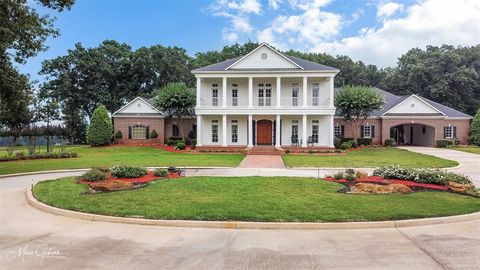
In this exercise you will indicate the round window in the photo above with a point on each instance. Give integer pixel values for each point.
(264, 56)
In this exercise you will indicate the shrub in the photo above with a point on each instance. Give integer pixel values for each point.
(20, 155)
(118, 135)
(194, 143)
(160, 172)
(128, 172)
(178, 141)
(447, 143)
(361, 174)
(180, 146)
(337, 142)
(153, 134)
(170, 142)
(424, 176)
(100, 130)
(350, 171)
(364, 141)
(287, 151)
(353, 143)
(38, 155)
(338, 175)
(475, 129)
(346, 139)
(350, 177)
(175, 138)
(93, 175)
(390, 142)
(345, 146)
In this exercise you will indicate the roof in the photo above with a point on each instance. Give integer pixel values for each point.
(149, 102)
(392, 100)
(303, 65)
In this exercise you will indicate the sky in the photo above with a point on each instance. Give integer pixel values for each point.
(374, 31)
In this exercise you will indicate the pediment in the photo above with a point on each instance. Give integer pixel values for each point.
(264, 57)
(413, 105)
(138, 106)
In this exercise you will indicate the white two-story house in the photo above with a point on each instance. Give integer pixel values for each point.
(265, 98)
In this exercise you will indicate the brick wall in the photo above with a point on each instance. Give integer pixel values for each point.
(122, 124)
(169, 127)
(382, 127)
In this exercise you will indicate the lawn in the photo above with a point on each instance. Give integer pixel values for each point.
(122, 155)
(252, 199)
(369, 157)
(468, 149)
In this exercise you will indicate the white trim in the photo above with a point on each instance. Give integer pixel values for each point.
(143, 100)
(418, 97)
(260, 46)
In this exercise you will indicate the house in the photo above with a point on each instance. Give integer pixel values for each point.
(274, 100)
(139, 117)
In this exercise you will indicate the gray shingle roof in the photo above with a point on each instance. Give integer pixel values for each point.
(391, 100)
(305, 64)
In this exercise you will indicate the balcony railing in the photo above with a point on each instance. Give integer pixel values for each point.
(290, 102)
(237, 102)
(211, 102)
(318, 102)
(264, 102)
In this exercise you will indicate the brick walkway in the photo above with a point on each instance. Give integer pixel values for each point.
(262, 161)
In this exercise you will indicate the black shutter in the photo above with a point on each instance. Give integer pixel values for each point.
(147, 132)
(373, 132)
(274, 132)
(254, 132)
(444, 132)
(342, 130)
(129, 132)
(454, 132)
(361, 131)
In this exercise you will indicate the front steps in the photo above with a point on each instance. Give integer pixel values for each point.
(263, 150)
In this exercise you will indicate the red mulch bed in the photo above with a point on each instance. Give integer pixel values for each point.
(381, 180)
(149, 177)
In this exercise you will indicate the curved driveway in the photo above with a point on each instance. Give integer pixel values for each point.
(31, 238)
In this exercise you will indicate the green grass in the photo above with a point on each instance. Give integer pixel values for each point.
(121, 155)
(369, 157)
(252, 199)
(468, 149)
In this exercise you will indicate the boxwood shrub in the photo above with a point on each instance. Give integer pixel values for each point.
(160, 172)
(128, 172)
(390, 142)
(93, 175)
(447, 143)
(424, 176)
(364, 141)
(345, 146)
(180, 146)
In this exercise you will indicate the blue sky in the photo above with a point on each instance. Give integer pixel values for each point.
(374, 31)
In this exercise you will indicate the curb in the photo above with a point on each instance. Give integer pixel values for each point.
(248, 225)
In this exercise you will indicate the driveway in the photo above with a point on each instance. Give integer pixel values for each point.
(469, 163)
(31, 238)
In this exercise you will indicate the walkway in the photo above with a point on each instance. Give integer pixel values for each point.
(262, 161)
(469, 163)
(100, 245)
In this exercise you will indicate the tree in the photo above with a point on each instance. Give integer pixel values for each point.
(177, 101)
(475, 129)
(356, 103)
(100, 130)
(47, 110)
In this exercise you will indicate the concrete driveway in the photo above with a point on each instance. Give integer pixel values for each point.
(30, 239)
(469, 163)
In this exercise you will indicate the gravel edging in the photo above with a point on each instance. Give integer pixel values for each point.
(249, 225)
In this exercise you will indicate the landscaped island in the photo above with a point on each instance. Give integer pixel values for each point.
(252, 199)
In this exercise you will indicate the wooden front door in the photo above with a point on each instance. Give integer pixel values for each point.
(264, 132)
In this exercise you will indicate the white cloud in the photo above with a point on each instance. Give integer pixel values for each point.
(231, 37)
(242, 6)
(274, 4)
(431, 22)
(386, 10)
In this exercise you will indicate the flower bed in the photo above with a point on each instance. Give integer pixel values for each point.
(424, 176)
(381, 180)
(22, 156)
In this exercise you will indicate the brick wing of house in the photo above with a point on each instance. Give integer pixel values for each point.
(270, 99)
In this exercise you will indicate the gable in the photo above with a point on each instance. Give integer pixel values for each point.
(413, 105)
(264, 57)
(138, 106)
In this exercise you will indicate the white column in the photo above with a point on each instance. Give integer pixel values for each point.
(224, 130)
(250, 92)
(250, 130)
(304, 130)
(199, 91)
(279, 85)
(304, 95)
(332, 92)
(278, 143)
(199, 130)
(330, 142)
(224, 92)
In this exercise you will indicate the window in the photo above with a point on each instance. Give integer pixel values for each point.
(264, 94)
(315, 94)
(214, 94)
(315, 131)
(214, 131)
(139, 132)
(261, 94)
(175, 131)
(367, 131)
(294, 131)
(234, 94)
(295, 90)
(338, 130)
(234, 131)
(448, 132)
(268, 94)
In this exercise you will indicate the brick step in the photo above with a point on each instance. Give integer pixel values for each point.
(263, 150)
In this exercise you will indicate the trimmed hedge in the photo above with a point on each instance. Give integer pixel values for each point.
(160, 172)
(93, 175)
(447, 143)
(353, 143)
(364, 141)
(128, 172)
(345, 146)
(118, 135)
(337, 142)
(424, 176)
(46, 155)
(390, 142)
(180, 146)
(153, 134)
(100, 130)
